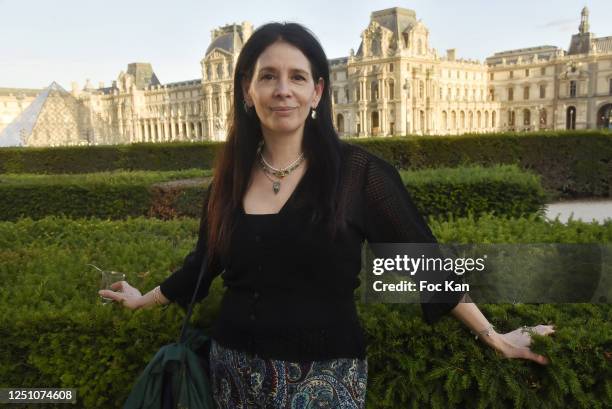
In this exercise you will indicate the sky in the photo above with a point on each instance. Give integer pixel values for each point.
(67, 40)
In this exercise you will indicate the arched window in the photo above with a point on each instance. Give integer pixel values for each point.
(340, 123)
(511, 118)
(570, 118)
(486, 115)
(470, 119)
(453, 120)
(543, 118)
(462, 116)
(479, 119)
(375, 123)
(422, 120)
(526, 117)
(493, 119)
(444, 120)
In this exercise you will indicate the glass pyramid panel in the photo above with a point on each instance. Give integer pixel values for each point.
(17, 132)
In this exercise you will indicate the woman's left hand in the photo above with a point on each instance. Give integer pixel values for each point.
(515, 344)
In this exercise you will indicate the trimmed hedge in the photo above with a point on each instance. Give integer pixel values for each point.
(89, 159)
(56, 334)
(114, 195)
(571, 163)
(503, 190)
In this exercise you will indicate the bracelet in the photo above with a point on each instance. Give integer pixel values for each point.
(488, 331)
(157, 295)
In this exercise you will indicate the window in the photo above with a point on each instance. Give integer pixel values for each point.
(511, 118)
(340, 123)
(526, 72)
(491, 94)
(491, 76)
(510, 94)
(335, 97)
(526, 117)
(572, 89)
(374, 90)
(335, 76)
(347, 95)
(543, 119)
(542, 91)
(526, 93)
(391, 67)
(610, 91)
(511, 74)
(391, 90)
(543, 71)
(421, 89)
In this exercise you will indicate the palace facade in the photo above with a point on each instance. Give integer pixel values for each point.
(395, 84)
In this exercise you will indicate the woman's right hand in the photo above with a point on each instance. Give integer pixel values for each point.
(124, 294)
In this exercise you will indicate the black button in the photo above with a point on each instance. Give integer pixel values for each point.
(256, 295)
(252, 317)
(258, 239)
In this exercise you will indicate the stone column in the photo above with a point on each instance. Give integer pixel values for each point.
(146, 130)
(210, 117)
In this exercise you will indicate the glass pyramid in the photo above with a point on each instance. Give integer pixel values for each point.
(19, 131)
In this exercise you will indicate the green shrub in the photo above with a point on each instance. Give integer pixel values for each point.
(56, 334)
(113, 195)
(89, 159)
(571, 163)
(503, 190)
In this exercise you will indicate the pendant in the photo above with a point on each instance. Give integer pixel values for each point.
(276, 187)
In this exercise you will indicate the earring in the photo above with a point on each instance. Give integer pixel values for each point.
(245, 105)
(313, 114)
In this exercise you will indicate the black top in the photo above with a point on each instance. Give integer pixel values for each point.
(289, 287)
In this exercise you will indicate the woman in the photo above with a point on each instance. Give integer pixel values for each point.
(284, 221)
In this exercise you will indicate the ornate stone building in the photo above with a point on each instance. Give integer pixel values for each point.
(395, 84)
(548, 88)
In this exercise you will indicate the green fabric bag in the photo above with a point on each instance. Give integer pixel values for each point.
(176, 376)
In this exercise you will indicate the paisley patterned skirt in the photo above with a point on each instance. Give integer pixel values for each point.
(241, 381)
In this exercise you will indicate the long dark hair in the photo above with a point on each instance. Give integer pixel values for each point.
(321, 144)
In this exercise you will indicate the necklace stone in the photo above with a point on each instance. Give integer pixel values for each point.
(270, 171)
